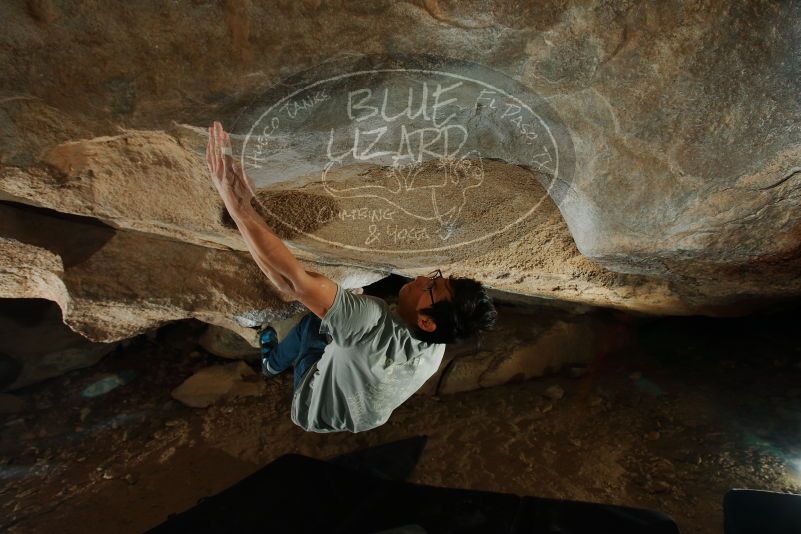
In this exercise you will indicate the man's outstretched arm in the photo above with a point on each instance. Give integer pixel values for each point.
(272, 256)
(314, 290)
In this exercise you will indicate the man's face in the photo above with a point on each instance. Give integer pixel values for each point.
(414, 296)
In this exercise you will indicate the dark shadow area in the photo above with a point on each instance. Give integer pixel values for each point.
(35, 344)
(387, 288)
(73, 237)
(278, 499)
(761, 512)
(764, 335)
(390, 461)
(28, 312)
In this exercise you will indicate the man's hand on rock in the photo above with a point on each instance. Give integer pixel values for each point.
(227, 175)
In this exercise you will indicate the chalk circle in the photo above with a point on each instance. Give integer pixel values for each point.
(421, 154)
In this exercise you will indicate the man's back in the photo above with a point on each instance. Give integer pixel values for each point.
(370, 368)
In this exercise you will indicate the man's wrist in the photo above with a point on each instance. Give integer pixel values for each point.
(243, 213)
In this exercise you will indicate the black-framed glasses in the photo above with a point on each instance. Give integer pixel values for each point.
(432, 276)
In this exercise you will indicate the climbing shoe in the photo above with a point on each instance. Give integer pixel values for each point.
(268, 340)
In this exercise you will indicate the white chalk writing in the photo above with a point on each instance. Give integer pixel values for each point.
(326, 214)
(516, 115)
(293, 107)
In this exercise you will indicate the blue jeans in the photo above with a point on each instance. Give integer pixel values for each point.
(300, 348)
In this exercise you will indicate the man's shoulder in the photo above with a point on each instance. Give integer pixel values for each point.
(353, 317)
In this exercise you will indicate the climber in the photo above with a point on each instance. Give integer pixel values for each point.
(355, 360)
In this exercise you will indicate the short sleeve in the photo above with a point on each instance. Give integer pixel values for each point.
(352, 318)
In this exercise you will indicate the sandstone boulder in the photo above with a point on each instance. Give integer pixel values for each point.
(225, 343)
(677, 126)
(212, 384)
(682, 118)
(527, 344)
(113, 285)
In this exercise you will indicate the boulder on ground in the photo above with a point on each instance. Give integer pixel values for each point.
(224, 343)
(219, 382)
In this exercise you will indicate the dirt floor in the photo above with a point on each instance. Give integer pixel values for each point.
(692, 408)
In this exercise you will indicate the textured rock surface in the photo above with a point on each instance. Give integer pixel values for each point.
(683, 121)
(227, 344)
(218, 382)
(525, 345)
(112, 285)
(683, 115)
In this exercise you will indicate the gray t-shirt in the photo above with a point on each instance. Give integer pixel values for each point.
(370, 368)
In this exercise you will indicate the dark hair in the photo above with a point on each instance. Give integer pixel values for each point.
(469, 311)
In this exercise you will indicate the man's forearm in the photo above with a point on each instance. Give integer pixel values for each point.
(267, 249)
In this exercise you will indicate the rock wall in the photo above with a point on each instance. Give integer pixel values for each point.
(683, 119)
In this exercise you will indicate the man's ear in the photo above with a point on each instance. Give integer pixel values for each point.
(426, 323)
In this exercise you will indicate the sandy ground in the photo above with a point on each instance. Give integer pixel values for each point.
(693, 408)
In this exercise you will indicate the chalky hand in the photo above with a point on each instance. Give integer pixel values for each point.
(227, 175)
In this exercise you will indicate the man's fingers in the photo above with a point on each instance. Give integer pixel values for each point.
(208, 152)
(223, 159)
(224, 148)
(227, 148)
(212, 150)
(222, 165)
(218, 144)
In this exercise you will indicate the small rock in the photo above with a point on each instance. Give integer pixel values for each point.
(636, 375)
(84, 413)
(546, 408)
(108, 475)
(227, 344)
(652, 436)
(212, 384)
(555, 392)
(108, 383)
(130, 479)
(596, 400)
